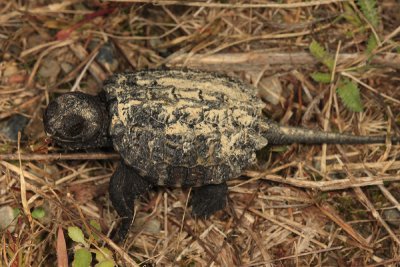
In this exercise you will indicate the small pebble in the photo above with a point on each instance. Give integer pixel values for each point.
(34, 40)
(392, 217)
(49, 69)
(14, 50)
(270, 89)
(7, 219)
(142, 222)
(9, 128)
(106, 57)
(10, 69)
(66, 67)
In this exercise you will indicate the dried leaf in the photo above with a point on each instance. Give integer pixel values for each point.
(62, 256)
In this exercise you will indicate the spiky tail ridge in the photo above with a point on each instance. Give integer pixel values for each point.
(285, 135)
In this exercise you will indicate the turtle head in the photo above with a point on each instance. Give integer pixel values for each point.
(77, 120)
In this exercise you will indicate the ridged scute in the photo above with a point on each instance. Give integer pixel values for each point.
(184, 127)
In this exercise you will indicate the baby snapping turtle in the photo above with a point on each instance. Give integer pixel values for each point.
(177, 128)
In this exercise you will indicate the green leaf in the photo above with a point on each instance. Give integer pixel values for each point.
(351, 16)
(82, 258)
(96, 226)
(397, 119)
(321, 77)
(279, 149)
(370, 11)
(107, 263)
(321, 54)
(103, 254)
(76, 234)
(16, 212)
(350, 95)
(371, 44)
(38, 213)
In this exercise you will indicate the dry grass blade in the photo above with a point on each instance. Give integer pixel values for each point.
(327, 185)
(387, 165)
(330, 212)
(61, 156)
(23, 185)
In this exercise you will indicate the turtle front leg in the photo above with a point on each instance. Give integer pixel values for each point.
(126, 185)
(208, 199)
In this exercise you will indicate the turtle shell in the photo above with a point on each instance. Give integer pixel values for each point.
(184, 127)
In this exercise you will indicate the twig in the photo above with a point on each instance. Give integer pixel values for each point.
(232, 5)
(65, 33)
(94, 68)
(78, 69)
(124, 255)
(196, 238)
(82, 73)
(327, 185)
(255, 60)
(41, 56)
(23, 106)
(385, 262)
(52, 8)
(60, 156)
(328, 211)
(314, 252)
(298, 229)
(237, 223)
(387, 165)
(364, 200)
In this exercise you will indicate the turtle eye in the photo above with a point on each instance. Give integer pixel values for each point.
(73, 126)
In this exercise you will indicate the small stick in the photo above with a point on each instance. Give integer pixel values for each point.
(326, 185)
(60, 156)
(230, 5)
(257, 60)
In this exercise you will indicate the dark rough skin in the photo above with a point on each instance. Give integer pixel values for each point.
(179, 128)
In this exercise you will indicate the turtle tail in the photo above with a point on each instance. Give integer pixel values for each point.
(285, 135)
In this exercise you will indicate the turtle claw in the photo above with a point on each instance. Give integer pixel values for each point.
(208, 199)
(126, 185)
(122, 230)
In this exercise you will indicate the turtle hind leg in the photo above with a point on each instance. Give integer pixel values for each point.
(126, 185)
(208, 199)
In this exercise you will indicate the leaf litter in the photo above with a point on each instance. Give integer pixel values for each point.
(304, 205)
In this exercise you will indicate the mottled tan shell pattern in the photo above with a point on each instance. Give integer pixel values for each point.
(184, 127)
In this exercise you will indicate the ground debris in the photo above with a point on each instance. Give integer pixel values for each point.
(306, 205)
